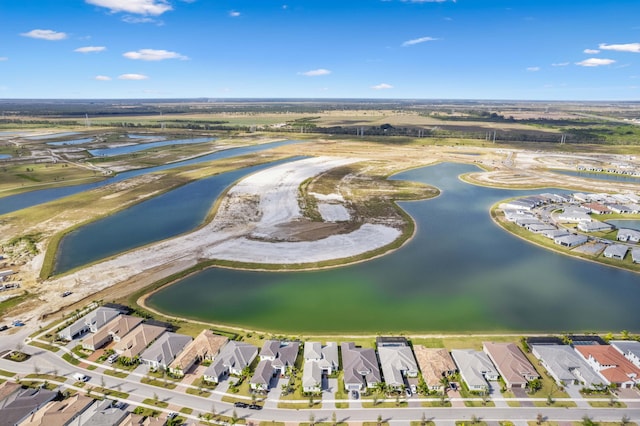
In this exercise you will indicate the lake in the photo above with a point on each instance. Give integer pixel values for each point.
(625, 223)
(461, 272)
(165, 216)
(71, 142)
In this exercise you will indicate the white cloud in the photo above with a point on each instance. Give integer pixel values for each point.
(90, 49)
(45, 35)
(382, 86)
(595, 62)
(591, 51)
(533, 69)
(418, 41)
(234, 13)
(103, 77)
(628, 47)
(560, 64)
(3, 58)
(315, 73)
(140, 7)
(141, 20)
(133, 77)
(153, 55)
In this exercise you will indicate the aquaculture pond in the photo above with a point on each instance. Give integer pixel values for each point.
(461, 272)
(32, 198)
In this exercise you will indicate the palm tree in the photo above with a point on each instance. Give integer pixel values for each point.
(334, 420)
(379, 420)
(539, 419)
(444, 381)
(312, 419)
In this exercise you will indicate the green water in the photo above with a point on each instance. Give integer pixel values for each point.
(460, 272)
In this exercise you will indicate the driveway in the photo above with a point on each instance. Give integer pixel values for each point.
(574, 393)
(522, 395)
(496, 396)
(273, 396)
(329, 386)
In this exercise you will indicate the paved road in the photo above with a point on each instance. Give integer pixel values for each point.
(48, 362)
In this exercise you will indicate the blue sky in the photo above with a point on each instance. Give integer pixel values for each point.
(425, 49)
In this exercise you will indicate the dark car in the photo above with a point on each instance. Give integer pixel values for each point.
(255, 407)
(4, 327)
(453, 386)
(240, 405)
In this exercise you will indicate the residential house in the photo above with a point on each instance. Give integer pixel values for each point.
(475, 368)
(594, 226)
(132, 345)
(574, 215)
(597, 208)
(616, 251)
(282, 354)
(635, 255)
(628, 235)
(261, 379)
(512, 364)
(539, 228)
(60, 413)
(206, 345)
(114, 330)
(571, 240)
(102, 413)
(435, 364)
(165, 350)
(554, 233)
(629, 348)
(19, 407)
(360, 366)
(619, 208)
(566, 366)
(232, 359)
(90, 322)
(318, 361)
(97, 318)
(397, 361)
(611, 364)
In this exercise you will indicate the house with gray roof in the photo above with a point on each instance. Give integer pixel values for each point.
(360, 367)
(571, 240)
(96, 319)
(282, 354)
(512, 364)
(60, 413)
(164, 350)
(629, 348)
(19, 407)
(566, 366)
(397, 362)
(628, 235)
(261, 379)
(594, 226)
(104, 414)
(90, 322)
(615, 251)
(232, 359)
(319, 360)
(475, 368)
(554, 233)
(635, 255)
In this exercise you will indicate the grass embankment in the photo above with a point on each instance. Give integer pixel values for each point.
(24, 177)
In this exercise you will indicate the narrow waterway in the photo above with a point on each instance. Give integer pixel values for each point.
(461, 272)
(33, 198)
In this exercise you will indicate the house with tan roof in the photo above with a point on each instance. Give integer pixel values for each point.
(114, 330)
(511, 363)
(206, 345)
(435, 364)
(132, 345)
(60, 413)
(611, 364)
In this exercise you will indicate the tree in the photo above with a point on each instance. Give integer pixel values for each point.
(213, 410)
(334, 420)
(586, 421)
(474, 419)
(539, 419)
(550, 400)
(375, 398)
(444, 381)
(423, 420)
(624, 335)
(625, 420)
(535, 385)
(379, 421)
(312, 419)
(234, 417)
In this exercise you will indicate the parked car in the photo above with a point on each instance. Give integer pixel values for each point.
(453, 386)
(4, 327)
(66, 293)
(240, 404)
(255, 407)
(80, 377)
(408, 392)
(354, 394)
(112, 358)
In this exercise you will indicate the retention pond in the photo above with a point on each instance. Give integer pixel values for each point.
(460, 273)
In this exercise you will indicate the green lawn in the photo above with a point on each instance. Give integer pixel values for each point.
(158, 383)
